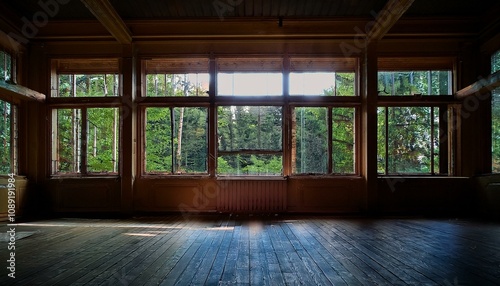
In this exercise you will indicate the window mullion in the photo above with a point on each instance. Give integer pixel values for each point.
(386, 140)
(330, 140)
(432, 140)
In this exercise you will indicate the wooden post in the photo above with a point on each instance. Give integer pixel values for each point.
(369, 126)
(128, 129)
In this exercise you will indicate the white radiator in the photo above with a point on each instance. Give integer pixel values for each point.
(251, 195)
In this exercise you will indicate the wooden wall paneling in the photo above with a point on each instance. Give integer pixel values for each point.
(337, 195)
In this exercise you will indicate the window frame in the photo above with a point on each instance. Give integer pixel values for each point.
(89, 66)
(213, 101)
(448, 126)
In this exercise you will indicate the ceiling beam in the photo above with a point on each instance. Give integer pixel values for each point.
(388, 17)
(109, 18)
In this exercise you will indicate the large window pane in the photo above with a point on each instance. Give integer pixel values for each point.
(495, 62)
(408, 140)
(102, 140)
(5, 66)
(176, 140)
(310, 140)
(66, 138)
(415, 82)
(343, 140)
(88, 85)
(495, 130)
(250, 165)
(249, 128)
(322, 83)
(8, 137)
(250, 84)
(190, 84)
(158, 140)
(249, 140)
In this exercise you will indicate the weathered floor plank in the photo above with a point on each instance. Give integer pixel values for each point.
(255, 250)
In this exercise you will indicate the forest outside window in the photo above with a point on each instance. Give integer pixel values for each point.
(495, 117)
(176, 140)
(73, 78)
(320, 131)
(5, 66)
(85, 141)
(408, 140)
(176, 77)
(250, 140)
(8, 137)
(88, 85)
(430, 82)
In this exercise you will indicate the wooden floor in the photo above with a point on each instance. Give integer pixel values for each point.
(254, 250)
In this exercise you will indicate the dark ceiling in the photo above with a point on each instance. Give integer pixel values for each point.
(190, 9)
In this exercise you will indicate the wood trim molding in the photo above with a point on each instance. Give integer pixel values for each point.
(109, 18)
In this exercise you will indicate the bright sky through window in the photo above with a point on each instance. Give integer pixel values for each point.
(314, 83)
(247, 84)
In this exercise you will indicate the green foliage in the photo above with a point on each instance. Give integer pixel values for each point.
(6, 164)
(344, 84)
(162, 141)
(68, 129)
(414, 82)
(343, 145)
(495, 62)
(311, 140)
(194, 84)
(253, 165)
(409, 139)
(102, 138)
(495, 130)
(245, 128)
(88, 85)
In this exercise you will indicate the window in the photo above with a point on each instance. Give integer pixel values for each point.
(408, 140)
(249, 140)
(85, 140)
(88, 85)
(85, 135)
(176, 140)
(430, 82)
(85, 78)
(250, 77)
(176, 77)
(5, 66)
(8, 137)
(495, 117)
(495, 62)
(317, 131)
(325, 77)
